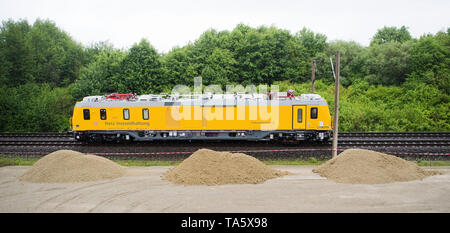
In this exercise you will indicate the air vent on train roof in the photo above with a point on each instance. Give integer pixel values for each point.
(310, 96)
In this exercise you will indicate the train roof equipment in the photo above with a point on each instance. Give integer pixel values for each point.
(205, 97)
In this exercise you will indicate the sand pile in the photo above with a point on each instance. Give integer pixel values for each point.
(208, 167)
(71, 166)
(357, 166)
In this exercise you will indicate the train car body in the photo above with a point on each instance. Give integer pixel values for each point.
(202, 117)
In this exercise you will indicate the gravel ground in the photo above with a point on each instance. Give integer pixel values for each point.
(303, 191)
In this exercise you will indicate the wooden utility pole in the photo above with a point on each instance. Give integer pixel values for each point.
(313, 75)
(336, 105)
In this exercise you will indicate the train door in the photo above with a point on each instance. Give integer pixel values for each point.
(298, 117)
(313, 118)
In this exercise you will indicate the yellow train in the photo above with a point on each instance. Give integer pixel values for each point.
(276, 116)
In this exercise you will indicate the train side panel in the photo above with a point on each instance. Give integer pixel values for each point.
(184, 118)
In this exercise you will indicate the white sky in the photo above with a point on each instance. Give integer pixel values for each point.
(169, 23)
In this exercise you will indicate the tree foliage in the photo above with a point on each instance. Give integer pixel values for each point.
(39, 53)
(391, 34)
(387, 63)
(141, 70)
(101, 76)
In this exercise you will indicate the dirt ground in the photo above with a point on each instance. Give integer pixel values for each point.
(304, 191)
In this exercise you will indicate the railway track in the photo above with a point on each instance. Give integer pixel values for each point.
(413, 144)
(342, 142)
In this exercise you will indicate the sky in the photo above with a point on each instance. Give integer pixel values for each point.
(169, 23)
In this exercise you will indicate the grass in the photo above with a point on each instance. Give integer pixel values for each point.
(18, 161)
(310, 161)
(433, 163)
(146, 163)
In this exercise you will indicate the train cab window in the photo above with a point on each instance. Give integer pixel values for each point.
(86, 114)
(299, 115)
(103, 114)
(145, 113)
(126, 114)
(314, 113)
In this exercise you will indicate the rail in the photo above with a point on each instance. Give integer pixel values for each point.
(398, 143)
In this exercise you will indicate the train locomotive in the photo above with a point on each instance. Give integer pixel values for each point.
(239, 116)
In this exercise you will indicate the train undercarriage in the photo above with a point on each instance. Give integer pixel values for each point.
(243, 135)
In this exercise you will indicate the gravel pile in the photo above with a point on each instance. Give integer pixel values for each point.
(358, 166)
(208, 167)
(67, 166)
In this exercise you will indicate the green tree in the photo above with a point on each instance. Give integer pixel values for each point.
(141, 70)
(16, 53)
(35, 108)
(94, 49)
(57, 58)
(178, 67)
(39, 53)
(313, 42)
(265, 55)
(391, 34)
(102, 76)
(387, 63)
(430, 60)
(220, 68)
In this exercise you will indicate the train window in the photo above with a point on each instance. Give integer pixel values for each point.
(314, 113)
(299, 115)
(103, 114)
(126, 114)
(86, 114)
(145, 113)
